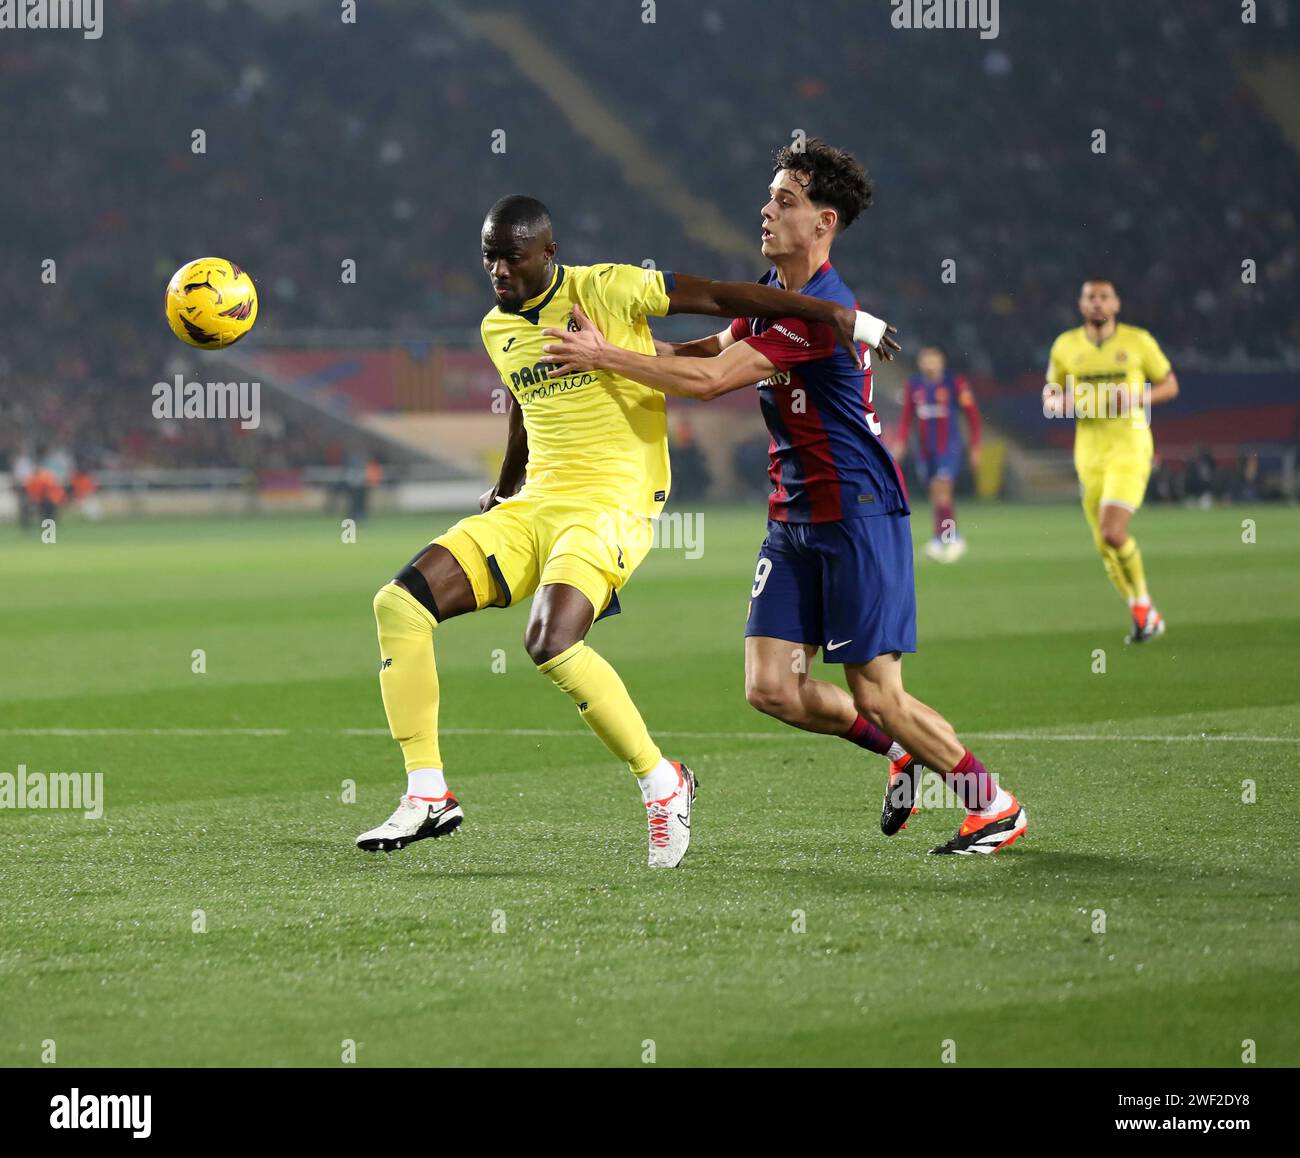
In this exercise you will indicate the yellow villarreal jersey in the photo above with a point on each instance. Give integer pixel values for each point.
(591, 435)
(1130, 356)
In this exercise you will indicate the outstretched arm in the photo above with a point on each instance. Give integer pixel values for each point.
(742, 299)
(709, 347)
(702, 377)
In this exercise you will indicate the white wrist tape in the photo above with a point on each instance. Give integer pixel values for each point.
(868, 329)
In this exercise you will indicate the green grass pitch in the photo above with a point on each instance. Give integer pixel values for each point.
(537, 935)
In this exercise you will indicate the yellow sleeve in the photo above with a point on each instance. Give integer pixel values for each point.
(628, 292)
(1055, 366)
(1154, 363)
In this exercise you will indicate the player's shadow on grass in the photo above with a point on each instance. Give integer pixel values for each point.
(410, 868)
(1126, 872)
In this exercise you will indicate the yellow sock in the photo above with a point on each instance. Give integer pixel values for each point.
(1129, 559)
(408, 676)
(604, 704)
(1115, 571)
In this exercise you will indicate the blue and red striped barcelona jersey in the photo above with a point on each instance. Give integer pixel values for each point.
(825, 457)
(931, 406)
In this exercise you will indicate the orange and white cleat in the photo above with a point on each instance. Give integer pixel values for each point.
(984, 834)
(1148, 623)
(670, 821)
(901, 792)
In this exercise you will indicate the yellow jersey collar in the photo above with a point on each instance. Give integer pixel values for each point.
(531, 311)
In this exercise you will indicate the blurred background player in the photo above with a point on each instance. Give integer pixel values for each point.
(22, 469)
(1113, 448)
(43, 489)
(928, 400)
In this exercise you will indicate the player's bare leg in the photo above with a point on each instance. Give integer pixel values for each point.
(561, 616)
(445, 579)
(431, 588)
(555, 639)
(994, 817)
(1148, 623)
(946, 546)
(778, 685)
(1114, 523)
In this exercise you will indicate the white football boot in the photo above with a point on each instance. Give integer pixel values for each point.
(414, 820)
(670, 821)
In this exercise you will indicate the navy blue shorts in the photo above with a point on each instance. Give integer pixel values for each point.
(947, 465)
(846, 587)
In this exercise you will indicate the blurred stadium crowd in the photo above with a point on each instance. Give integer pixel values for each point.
(327, 142)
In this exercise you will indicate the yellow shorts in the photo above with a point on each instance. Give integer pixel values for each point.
(1115, 479)
(529, 541)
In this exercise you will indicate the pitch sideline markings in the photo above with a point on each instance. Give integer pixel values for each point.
(560, 733)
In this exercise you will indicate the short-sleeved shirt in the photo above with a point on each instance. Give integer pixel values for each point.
(1128, 359)
(930, 407)
(592, 433)
(825, 458)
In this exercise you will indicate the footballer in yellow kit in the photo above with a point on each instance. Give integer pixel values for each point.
(1106, 376)
(598, 468)
(569, 519)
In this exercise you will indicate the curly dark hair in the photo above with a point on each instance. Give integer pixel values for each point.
(834, 179)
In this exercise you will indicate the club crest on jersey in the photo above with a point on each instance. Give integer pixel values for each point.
(570, 324)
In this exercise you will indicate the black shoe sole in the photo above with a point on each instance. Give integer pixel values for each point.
(952, 848)
(401, 842)
(695, 787)
(891, 823)
(1136, 636)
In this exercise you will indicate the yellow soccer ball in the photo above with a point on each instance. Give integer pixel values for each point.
(211, 303)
